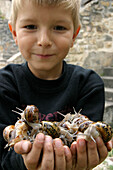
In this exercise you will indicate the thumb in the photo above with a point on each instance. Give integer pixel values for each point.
(23, 147)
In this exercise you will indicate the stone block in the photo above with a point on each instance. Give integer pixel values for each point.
(105, 4)
(108, 44)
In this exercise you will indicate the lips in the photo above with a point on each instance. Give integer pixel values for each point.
(43, 55)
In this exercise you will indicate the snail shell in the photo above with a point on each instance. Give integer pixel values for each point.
(7, 132)
(51, 128)
(31, 114)
(84, 125)
(21, 128)
(99, 129)
(105, 131)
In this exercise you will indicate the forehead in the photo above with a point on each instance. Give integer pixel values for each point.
(33, 11)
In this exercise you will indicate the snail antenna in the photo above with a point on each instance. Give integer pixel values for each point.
(16, 112)
(76, 112)
(61, 114)
(19, 109)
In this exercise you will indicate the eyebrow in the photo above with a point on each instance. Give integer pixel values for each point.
(27, 20)
(63, 21)
(32, 20)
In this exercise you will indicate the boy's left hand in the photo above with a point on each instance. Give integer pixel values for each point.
(87, 155)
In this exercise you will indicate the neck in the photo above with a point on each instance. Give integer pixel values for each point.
(52, 74)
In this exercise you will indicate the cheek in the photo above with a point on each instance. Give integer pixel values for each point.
(64, 46)
(25, 44)
(24, 40)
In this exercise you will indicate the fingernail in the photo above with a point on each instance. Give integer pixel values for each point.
(98, 139)
(25, 146)
(74, 145)
(81, 142)
(48, 138)
(110, 145)
(73, 148)
(58, 143)
(66, 151)
(40, 137)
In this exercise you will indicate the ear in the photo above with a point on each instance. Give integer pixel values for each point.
(75, 35)
(73, 39)
(13, 32)
(78, 29)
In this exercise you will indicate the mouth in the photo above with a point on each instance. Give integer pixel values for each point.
(43, 55)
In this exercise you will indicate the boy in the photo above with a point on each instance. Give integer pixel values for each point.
(44, 32)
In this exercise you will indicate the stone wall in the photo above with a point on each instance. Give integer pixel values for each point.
(93, 47)
(5, 6)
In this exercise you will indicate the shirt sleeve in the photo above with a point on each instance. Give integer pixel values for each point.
(91, 97)
(9, 160)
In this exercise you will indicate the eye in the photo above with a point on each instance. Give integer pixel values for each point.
(59, 28)
(31, 27)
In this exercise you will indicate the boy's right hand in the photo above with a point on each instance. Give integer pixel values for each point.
(45, 153)
(32, 153)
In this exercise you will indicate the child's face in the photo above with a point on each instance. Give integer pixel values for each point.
(44, 35)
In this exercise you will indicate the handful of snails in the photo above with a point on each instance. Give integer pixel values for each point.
(73, 125)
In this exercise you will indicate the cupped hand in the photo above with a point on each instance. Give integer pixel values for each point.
(38, 156)
(87, 155)
(45, 153)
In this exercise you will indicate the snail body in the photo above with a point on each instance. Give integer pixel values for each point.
(73, 125)
(82, 126)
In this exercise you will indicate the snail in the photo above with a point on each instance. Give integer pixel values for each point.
(89, 130)
(73, 125)
(30, 114)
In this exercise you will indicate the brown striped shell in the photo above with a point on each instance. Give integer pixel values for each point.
(7, 132)
(51, 128)
(105, 131)
(31, 114)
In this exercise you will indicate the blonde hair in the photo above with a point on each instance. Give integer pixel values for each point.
(72, 5)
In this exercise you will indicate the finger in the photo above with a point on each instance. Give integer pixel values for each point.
(112, 142)
(74, 153)
(48, 154)
(102, 150)
(93, 157)
(60, 163)
(31, 159)
(68, 157)
(109, 145)
(81, 154)
(22, 147)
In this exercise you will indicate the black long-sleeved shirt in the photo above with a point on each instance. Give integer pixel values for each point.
(76, 87)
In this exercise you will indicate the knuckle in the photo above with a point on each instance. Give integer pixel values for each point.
(80, 167)
(69, 159)
(103, 157)
(92, 146)
(38, 144)
(47, 166)
(29, 161)
(60, 153)
(48, 147)
(94, 164)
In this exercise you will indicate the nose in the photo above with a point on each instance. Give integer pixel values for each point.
(44, 39)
